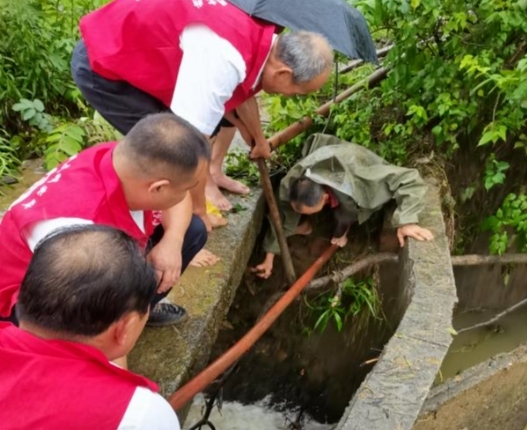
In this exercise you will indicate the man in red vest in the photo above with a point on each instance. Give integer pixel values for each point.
(196, 58)
(139, 185)
(83, 303)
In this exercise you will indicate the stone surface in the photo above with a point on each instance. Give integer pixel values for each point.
(393, 393)
(489, 396)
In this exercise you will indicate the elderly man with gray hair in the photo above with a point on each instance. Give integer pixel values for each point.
(200, 59)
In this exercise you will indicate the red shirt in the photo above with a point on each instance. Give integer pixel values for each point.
(138, 42)
(56, 384)
(85, 186)
(333, 202)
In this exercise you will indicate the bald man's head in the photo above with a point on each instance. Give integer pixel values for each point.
(164, 145)
(83, 279)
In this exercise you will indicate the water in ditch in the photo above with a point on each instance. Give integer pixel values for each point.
(258, 416)
(476, 346)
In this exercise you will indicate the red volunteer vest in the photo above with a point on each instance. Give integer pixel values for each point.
(137, 41)
(85, 186)
(55, 384)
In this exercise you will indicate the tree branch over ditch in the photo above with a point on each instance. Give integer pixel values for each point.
(495, 318)
(383, 257)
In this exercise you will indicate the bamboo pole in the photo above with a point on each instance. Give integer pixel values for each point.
(274, 214)
(302, 125)
(356, 63)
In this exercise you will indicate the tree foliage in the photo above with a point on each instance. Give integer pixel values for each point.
(457, 80)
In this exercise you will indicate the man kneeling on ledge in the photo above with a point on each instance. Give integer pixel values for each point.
(139, 185)
(78, 311)
(354, 182)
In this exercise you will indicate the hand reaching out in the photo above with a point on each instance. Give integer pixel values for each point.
(414, 231)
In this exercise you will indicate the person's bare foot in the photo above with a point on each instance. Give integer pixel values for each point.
(229, 184)
(204, 258)
(215, 196)
(217, 220)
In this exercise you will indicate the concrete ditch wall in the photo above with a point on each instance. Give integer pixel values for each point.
(392, 395)
(489, 396)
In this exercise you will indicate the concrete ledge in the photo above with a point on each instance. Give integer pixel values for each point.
(393, 393)
(488, 396)
(171, 355)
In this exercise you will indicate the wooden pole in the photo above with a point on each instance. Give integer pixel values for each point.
(274, 214)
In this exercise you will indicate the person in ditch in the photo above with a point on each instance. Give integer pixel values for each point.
(354, 182)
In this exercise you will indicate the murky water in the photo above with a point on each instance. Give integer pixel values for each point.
(259, 416)
(475, 346)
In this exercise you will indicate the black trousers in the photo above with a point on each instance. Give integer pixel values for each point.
(120, 103)
(194, 241)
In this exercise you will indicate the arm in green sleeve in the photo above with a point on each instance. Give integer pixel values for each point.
(409, 189)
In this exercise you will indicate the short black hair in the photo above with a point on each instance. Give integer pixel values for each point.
(165, 140)
(303, 191)
(82, 279)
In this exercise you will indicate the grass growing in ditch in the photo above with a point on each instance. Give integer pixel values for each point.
(350, 299)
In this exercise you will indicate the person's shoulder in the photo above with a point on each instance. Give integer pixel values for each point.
(148, 411)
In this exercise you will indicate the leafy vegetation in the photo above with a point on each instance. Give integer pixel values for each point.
(37, 95)
(457, 81)
(351, 298)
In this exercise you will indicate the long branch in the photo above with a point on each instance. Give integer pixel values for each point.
(350, 270)
(479, 260)
(494, 319)
(382, 257)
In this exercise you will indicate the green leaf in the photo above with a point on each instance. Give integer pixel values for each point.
(338, 321)
(70, 146)
(29, 113)
(486, 138)
(38, 105)
(75, 132)
(322, 321)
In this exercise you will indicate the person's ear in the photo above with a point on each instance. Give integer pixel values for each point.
(124, 328)
(157, 186)
(325, 198)
(284, 74)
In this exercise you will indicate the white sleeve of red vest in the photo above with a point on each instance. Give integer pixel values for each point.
(148, 411)
(210, 71)
(37, 231)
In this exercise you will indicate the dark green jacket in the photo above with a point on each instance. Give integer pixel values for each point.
(361, 181)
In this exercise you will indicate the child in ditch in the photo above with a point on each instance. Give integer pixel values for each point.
(354, 182)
